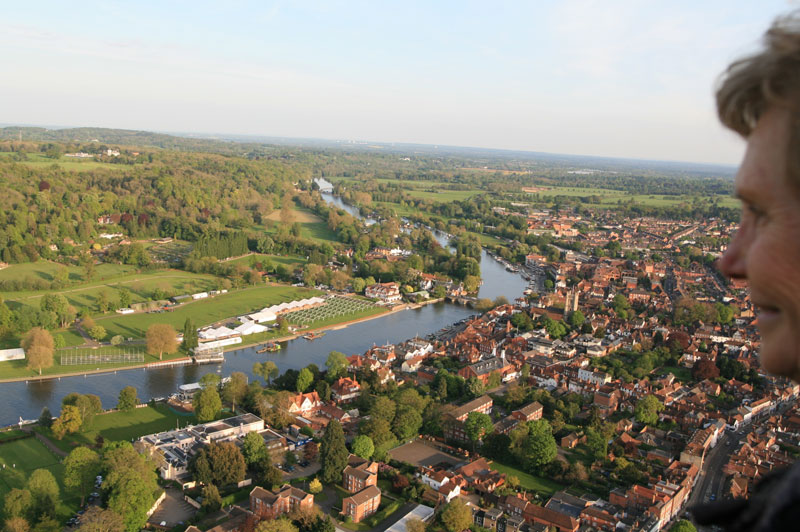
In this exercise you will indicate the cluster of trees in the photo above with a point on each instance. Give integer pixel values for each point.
(221, 245)
(130, 488)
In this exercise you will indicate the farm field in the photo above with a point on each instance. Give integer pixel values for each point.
(37, 160)
(444, 195)
(21, 459)
(609, 196)
(125, 426)
(206, 311)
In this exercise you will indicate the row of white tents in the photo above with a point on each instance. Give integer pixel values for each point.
(251, 323)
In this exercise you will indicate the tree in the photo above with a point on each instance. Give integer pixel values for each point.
(88, 405)
(359, 285)
(45, 418)
(254, 449)
(128, 399)
(311, 451)
(456, 516)
(18, 503)
(647, 409)
(383, 408)
(161, 338)
(336, 364)
(68, 422)
(304, 380)
(705, 369)
(363, 446)
(117, 339)
(207, 404)
(235, 389)
(683, 526)
(219, 463)
(475, 387)
(271, 476)
(276, 525)
(44, 493)
(210, 380)
(16, 524)
(541, 447)
(80, 468)
(315, 486)
(576, 319)
(39, 346)
(130, 482)
(597, 443)
(267, 370)
(407, 422)
(97, 519)
(211, 498)
(333, 453)
(477, 426)
(415, 525)
(190, 339)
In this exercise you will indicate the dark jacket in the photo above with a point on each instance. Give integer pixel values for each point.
(774, 505)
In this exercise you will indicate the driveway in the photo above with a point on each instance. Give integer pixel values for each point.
(174, 509)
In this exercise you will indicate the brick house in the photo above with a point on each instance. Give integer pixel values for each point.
(345, 390)
(304, 404)
(362, 504)
(270, 505)
(359, 474)
(530, 412)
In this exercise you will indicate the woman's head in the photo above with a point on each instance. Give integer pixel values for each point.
(759, 98)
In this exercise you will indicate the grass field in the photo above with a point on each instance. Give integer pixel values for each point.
(46, 271)
(126, 426)
(21, 458)
(530, 482)
(206, 311)
(611, 197)
(312, 226)
(681, 373)
(444, 195)
(36, 160)
(290, 262)
(140, 285)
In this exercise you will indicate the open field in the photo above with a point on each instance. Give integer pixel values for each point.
(125, 426)
(46, 271)
(444, 195)
(140, 285)
(37, 160)
(611, 197)
(529, 482)
(21, 459)
(312, 226)
(290, 262)
(206, 311)
(417, 454)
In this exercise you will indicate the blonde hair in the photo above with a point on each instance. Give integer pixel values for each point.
(768, 78)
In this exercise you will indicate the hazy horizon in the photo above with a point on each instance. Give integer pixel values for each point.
(624, 80)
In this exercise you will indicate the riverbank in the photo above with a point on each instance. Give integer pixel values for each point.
(236, 347)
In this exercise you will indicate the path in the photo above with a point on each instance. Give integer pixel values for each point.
(47, 443)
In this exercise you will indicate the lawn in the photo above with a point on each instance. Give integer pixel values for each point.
(529, 482)
(23, 457)
(681, 373)
(312, 226)
(444, 195)
(126, 426)
(206, 311)
(46, 270)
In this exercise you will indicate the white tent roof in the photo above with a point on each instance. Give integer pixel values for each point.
(250, 328)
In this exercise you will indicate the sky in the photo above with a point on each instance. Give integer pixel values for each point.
(617, 78)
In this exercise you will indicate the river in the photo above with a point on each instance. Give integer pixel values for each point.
(26, 399)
